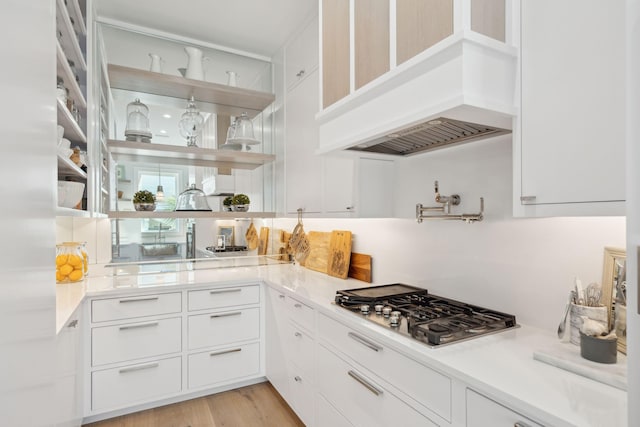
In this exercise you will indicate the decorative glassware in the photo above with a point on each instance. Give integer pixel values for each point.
(137, 122)
(190, 124)
(69, 262)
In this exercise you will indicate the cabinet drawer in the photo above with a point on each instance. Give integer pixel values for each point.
(423, 384)
(119, 343)
(218, 366)
(302, 393)
(224, 297)
(482, 411)
(301, 313)
(359, 398)
(299, 348)
(136, 306)
(112, 388)
(225, 327)
(327, 415)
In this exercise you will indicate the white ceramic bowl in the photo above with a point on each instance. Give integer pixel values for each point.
(69, 193)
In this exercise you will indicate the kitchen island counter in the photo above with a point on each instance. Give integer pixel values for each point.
(500, 366)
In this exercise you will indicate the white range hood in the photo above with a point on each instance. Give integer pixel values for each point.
(464, 85)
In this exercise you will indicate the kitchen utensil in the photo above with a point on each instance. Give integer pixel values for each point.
(192, 199)
(318, 258)
(592, 295)
(579, 290)
(252, 237)
(360, 267)
(264, 241)
(339, 254)
(563, 323)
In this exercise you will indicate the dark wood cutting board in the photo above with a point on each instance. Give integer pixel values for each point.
(360, 267)
(339, 254)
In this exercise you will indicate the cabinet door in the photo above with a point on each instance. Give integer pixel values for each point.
(375, 188)
(275, 330)
(338, 185)
(483, 412)
(301, 55)
(69, 385)
(336, 51)
(572, 116)
(303, 168)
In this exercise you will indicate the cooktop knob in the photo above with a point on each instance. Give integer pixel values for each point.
(386, 311)
(395, 313)
(394, 321)
(378, 308)
(364, 309)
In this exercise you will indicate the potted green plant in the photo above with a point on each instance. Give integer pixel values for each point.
(240, 203)
(144, 200)
(227, 203)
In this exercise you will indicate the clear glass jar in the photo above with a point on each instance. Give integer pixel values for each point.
(69, 262)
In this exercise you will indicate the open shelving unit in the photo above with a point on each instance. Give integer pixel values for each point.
(188, 214)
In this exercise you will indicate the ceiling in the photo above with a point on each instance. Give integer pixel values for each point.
(256, 26)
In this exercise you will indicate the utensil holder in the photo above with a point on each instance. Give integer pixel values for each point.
(599, 314)
(599, 349)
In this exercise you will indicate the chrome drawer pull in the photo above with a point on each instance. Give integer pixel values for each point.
(139, 368)
(297, 378)
(373, 346)
(225, 291)
(218, 353)
(122, 301)
(298, 305)
(373, 389)
(520, 424)
(234, 313)
(73, 323)
(140, 325)
(281, 296)
(298, 334)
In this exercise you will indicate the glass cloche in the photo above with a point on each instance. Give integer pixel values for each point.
(137, 122)
(190, 124)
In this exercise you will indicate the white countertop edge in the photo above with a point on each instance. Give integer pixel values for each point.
(548, 395)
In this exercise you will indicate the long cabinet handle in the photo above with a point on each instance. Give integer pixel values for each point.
(218, 353)
(373, 389)
(139, 367)
(139, 325)
(122, 301)
(520, 424)
(225, 291)
(297, 378)
(297, 334)
(297, 305)
(373, 346)
(281, 296)
(233, 313)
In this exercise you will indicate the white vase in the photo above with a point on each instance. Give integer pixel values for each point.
(156, 63)
(232, 79)
(195, 68)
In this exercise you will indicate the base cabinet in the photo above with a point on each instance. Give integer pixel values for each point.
(482, 412)
(220, 365)
(69, 385)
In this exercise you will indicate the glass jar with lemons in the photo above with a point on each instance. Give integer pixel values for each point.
(70, 264)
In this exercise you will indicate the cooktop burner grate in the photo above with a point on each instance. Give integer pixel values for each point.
(430, 319)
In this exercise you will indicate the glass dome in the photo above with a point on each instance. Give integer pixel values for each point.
(137, 122)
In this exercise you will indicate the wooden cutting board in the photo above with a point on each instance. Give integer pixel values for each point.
(264, 241)
(252, 237)
(339, 254)
(360, 267)
(318, 258)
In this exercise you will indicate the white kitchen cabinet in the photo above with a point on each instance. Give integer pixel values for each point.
(482, 412)
(360, 396)
(224, 297)
(131, 307)
(301, 54)
(303, 170)
(69, 373)
(223, 327)
(222, 365)
(569, 156)
(290, 354)
(408, 375)
(328, 415)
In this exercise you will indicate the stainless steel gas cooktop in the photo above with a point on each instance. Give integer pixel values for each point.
(430, 319)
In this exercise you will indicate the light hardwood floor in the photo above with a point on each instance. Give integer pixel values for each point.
(256, 405)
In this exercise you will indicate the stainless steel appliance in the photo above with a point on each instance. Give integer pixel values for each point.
(430, 319)
(227, 250)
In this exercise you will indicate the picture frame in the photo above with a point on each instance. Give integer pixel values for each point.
(228, 233)
(614, 293)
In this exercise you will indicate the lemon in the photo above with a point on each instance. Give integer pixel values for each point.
(61, 260)
(75, 261)
(59, 276)
(76, 275)
(66, 269)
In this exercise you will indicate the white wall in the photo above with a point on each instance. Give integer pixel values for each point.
(633, 206)
(520, 266)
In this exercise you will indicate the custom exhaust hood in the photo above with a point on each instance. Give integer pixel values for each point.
(458, 91)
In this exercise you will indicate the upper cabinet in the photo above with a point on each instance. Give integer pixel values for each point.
(301, 55)
(390, 69)
(569, 154)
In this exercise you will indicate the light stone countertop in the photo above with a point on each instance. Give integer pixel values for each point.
(500, 366)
